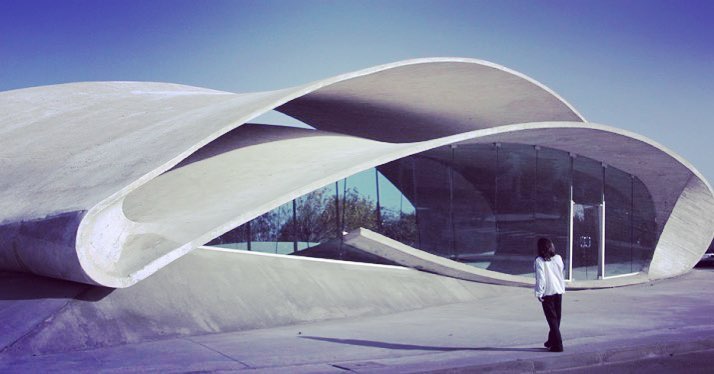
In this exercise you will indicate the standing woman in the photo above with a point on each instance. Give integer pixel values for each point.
(549, 289)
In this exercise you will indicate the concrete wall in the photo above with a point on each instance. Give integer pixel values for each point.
(688, 231)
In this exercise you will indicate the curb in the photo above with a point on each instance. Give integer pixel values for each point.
(586, 359)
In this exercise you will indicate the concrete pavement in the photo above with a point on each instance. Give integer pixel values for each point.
(658, 324)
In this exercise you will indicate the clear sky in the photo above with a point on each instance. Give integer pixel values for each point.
(645, 66)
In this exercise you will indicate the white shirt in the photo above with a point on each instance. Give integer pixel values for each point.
(549, 276)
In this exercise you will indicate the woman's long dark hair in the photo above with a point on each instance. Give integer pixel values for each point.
(546, 249)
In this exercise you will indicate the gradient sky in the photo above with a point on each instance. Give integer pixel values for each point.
(645, 66)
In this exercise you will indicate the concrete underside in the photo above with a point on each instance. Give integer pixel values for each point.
(669, 321)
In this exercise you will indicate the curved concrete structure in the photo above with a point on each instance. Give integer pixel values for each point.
(108, 183)
(197, 295)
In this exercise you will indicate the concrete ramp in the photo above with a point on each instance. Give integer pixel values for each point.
(402, 254)
(210, 291)
(399, 253)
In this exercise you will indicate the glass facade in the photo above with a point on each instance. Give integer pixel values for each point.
(481, 204)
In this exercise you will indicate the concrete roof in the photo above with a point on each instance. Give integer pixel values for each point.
(428, 98)
(108, 182)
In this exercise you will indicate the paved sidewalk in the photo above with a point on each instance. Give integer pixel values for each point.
(657, 324)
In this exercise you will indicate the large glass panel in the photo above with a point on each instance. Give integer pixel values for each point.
(480, 204)
(237, 238)
(587, 195)
(432, 201)
(474, 173)
(553, 199)
(358, 201)
(586, 241)
(270, 233)
(515, 209)
(316, 215)
(644, 226)
(587, 181)
(396, 189)
(618, 225)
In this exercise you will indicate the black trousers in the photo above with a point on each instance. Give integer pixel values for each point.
(551, 308)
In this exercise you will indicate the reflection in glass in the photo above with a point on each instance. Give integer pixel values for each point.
(586, 241)
(358, 207)
(433, 201)
(316, 217)
(397, 214)
(618, 228)
(553, 199)
(475, 235)
(480, 204)
(515, 209)
(644, 226)
(587, 181)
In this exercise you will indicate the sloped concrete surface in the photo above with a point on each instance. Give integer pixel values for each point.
(212, 291)
(658, 322)
(401, 254)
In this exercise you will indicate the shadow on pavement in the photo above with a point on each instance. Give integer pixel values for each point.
(387, 345)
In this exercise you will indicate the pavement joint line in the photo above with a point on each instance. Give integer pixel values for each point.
(219, 352)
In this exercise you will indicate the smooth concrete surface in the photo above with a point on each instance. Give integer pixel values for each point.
(663, 322)
(211, 291)
(429, 99)
(683, 236)
(97, 186)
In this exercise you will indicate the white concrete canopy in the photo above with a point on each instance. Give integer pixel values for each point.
(106, 183)
(427, 99)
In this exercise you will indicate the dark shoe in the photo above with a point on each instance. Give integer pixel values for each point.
(547, 344)
(555, 349)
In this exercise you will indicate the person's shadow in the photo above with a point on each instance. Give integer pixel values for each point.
(377, 344)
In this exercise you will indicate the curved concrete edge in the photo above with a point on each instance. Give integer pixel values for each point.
(402, 254)
(172, 235)
(85, 165)
(55, 235)
(611, 282)
(419, 100)
(212, 291)
(120, 241)
(316, 85)
(687, 233)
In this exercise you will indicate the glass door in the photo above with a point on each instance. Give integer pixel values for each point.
(585, 241)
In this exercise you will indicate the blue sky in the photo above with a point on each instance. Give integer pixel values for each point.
(645, 66)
